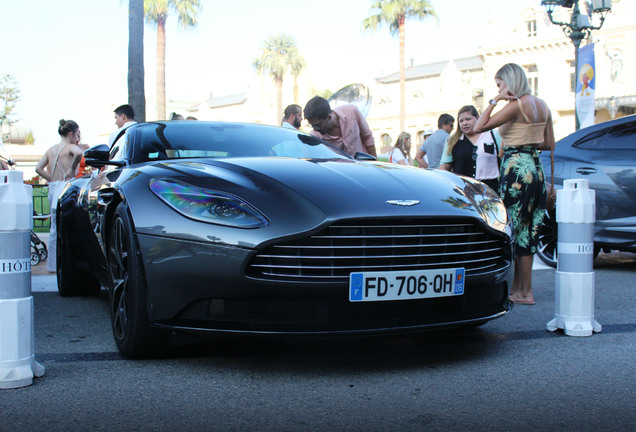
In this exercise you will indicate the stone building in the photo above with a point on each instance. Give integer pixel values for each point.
(431, 90)
(531, 41)
(14, 144)
(255, 103)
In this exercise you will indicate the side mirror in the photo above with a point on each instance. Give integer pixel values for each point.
(364, 156)
(98, 156)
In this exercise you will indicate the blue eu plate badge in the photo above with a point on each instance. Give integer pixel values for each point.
(459, 281)
(356, 286)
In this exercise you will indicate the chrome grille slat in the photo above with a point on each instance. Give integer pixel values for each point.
(382, 245)
(428, 226)
(476, 270)
(373, 257)
(370, 267)
(386, 236)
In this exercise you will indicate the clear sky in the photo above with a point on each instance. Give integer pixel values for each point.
(70, 56)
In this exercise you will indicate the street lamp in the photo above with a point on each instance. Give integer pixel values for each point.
(580, 27)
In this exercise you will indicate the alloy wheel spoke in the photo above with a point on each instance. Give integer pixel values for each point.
(120, 314)
(119, 272)
(118, 251)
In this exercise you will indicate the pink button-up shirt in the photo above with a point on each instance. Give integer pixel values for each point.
(356, 134)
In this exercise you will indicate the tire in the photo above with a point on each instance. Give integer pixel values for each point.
(71, 281)
(35, 256)
(548, 235)
(134, 336)
(548, 240)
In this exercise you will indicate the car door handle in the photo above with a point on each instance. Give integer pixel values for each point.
(586, 170)
(103, 198)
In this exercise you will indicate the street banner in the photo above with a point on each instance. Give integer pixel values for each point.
(585, 86)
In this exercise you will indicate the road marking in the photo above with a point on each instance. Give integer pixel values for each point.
(47, 283)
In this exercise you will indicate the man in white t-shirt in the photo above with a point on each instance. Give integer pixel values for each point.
(124, 117)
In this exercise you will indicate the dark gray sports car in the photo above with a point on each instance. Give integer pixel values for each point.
(605, 155)
(245, 228)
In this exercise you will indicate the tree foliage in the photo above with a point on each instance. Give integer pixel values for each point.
(9, 95)
(394, 14)
(280, 55)
(29, 139)
(326, 93)
(157, 12)
(187, 11)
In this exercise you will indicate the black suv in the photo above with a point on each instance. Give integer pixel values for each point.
(604, 154)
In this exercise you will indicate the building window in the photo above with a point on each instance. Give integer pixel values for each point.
(533, 78)
(572, 76)
(532, 28)
(387, 143)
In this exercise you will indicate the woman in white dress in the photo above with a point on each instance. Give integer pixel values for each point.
(401, 151)
(58, 165)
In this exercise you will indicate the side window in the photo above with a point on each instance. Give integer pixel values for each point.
(117, 152)
(620, 138)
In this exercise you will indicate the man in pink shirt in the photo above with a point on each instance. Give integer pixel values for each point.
(344, 127)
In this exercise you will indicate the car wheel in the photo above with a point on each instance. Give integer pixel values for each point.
(548, 239)
(548, 235)
(71, 281)
(133, 333)
(35, 256)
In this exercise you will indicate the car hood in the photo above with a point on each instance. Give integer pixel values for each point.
(336, 187)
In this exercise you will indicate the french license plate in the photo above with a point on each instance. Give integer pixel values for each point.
(405, 285)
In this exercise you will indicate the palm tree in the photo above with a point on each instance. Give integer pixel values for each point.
(394, 13)
(296, 67)
(280, 55)
(136, 93)
(157, 13)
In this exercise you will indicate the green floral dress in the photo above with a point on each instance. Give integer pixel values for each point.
(522, 189)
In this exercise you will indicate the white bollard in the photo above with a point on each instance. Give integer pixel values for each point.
(17, 346)
(574, 279)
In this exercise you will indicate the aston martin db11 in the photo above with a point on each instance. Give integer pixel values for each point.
(243, 228)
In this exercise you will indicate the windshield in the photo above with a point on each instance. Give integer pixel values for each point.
(195, 139)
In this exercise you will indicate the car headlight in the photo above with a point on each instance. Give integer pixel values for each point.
(207, 205)
(488, 203)
(495, 213)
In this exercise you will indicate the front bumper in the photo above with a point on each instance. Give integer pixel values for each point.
(194, 286)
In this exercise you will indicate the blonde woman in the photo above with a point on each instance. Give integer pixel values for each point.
(469, 153)
(401, 151)
(525, 124)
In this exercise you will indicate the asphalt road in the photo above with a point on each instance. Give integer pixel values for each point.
(510, 374)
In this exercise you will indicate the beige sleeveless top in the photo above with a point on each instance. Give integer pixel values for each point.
(516, 134)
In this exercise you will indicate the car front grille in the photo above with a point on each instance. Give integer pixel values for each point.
(383, 245)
